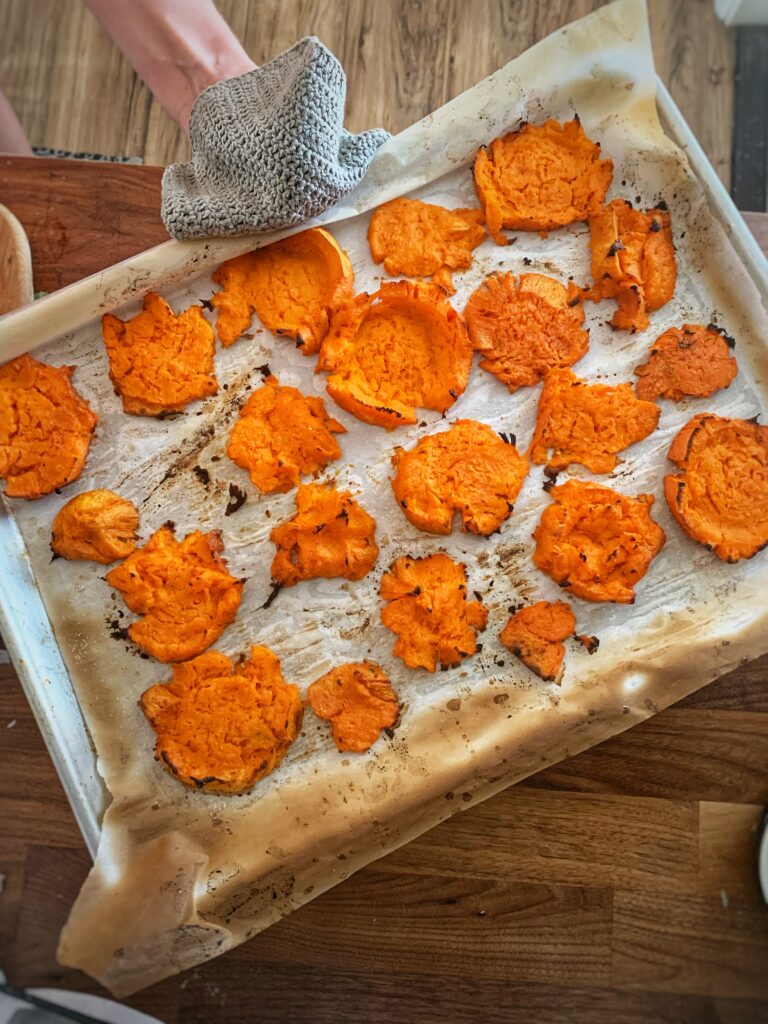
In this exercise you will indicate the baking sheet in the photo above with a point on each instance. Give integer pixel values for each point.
(183, 876)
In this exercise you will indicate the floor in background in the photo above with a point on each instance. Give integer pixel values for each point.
(72, 89)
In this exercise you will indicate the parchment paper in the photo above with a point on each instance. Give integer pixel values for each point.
(183, 876)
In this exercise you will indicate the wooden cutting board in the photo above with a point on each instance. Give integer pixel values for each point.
(615, 887)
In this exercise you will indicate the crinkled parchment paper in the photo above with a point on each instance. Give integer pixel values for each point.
(183, 876)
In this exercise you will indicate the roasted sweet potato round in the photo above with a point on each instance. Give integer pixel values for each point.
(633, 261)
(429, 611)
(595, 542)
(720, 495)
(97, 526)
(467, 469)
(294, 286)
(523, 329)
(160, 362)
(401, 348)
(330, 536)
(358, 700)
(588, 423)
(689, 360)
(222, 726)
(45, 428)
(181, 589)
(418, 239)
(535, 635)
(540, 177)
(281, 434)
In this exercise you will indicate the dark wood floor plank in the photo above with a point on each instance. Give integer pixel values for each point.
(681, 754)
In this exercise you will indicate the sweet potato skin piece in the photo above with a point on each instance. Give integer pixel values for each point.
(596, 542)
(281, 434)
(387, 354)
(467, 469)
(45, 428)
(358, 700)
(294, 286)
(330, 536)
(689, 360)
(535, 635)
(429, 611)
(633, 261)
(183, 591)
(96, 526)
(523, 329)
(588, 423)
(418, 239)
(540, 177)
(222, 726)
(160, 362)
(720, 495)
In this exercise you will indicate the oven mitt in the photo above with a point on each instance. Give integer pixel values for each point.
(269, 149)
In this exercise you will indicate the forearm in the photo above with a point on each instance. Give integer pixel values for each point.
(177, 48)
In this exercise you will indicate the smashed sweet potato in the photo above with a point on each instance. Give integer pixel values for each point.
(358, 700)
(467, 469)
(588, 423)
(689, 360)
(403, 347)
(294, 286)
(222, 726)
(160, 362)
(540, 177)
(418, 239)
(97, 526)
(429, 611)
(595, 542)
(524, 328)
(281, 434)
(720, 495)
(535, 635)
(633, 261)
(181, 589)
(45, 428)
(330, 536)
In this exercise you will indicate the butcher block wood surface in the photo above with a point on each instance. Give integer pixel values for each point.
(618, 886)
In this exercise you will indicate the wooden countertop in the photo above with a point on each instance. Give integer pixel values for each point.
(617, 886)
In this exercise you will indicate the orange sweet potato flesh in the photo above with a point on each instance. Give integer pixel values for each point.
(595, 542)
(403, 347)
(535, 635)
(633, 261)
(330, 536)
(524, 328)
(222, 726)
(181, 589)
(160, 362)
(97, 526)
(588, 423)
(689, 360)
(358, 700)
(45, 428)
(429, 611)
(540, 177)
(720, 495)
(418, 239)
(294, 286)
(467, 469)
(281, 434)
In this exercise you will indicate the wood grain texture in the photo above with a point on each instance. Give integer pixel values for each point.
(72, 88)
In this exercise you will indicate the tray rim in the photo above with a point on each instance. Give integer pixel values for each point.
(30, 640)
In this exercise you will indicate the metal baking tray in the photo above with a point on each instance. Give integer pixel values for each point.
(24, 623)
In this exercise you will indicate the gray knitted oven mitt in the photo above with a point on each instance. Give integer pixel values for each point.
(269, 149)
